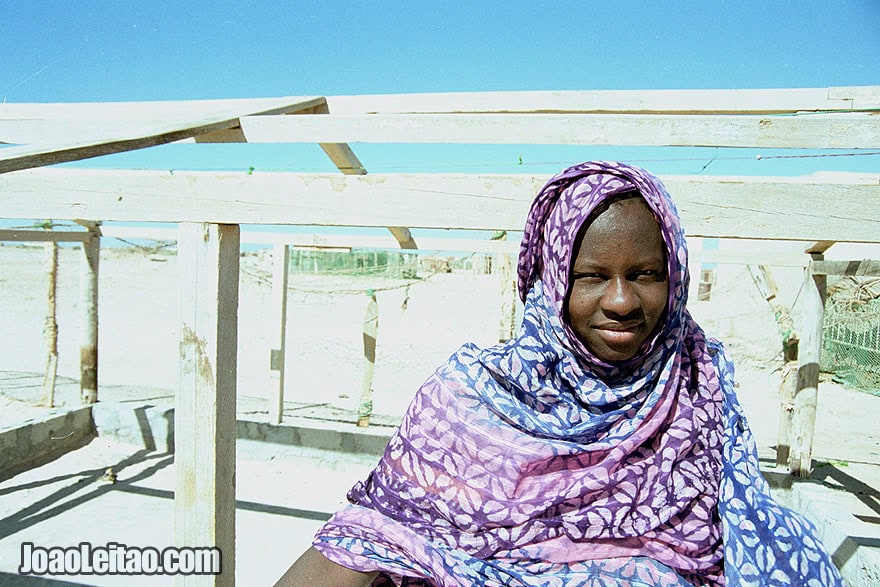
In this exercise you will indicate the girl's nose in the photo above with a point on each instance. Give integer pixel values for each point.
(620, 297)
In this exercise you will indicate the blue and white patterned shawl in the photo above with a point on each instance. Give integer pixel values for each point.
(534, 463)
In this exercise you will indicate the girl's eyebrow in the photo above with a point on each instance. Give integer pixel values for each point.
(640, 262)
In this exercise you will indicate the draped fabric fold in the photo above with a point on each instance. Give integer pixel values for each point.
(536, 463)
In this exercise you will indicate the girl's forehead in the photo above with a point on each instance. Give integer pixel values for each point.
(626, 227)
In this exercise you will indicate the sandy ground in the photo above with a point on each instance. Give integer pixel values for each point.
(419, 327)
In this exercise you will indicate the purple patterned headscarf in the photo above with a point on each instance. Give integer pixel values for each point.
(535, 463)
(557, 217)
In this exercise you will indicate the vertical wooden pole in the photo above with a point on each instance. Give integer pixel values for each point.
(51, 327)
(280, 275)
(371, 330)
(88, 352)
(803, 422)
(205, 431)
(508, 297)
(787, 393)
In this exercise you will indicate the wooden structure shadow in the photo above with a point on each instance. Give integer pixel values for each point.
(209, 207)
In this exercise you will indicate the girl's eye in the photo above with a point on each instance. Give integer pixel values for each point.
(648, 275)
(587, 277)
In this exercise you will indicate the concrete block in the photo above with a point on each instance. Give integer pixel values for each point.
(42, 440)
(147, 426)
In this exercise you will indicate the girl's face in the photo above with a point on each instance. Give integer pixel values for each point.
(619, 282)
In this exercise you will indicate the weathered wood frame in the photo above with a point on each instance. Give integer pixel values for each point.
(217, 203)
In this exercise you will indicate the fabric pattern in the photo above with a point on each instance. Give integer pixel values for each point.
(536, 463)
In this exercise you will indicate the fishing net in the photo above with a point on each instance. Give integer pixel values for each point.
(851, 333)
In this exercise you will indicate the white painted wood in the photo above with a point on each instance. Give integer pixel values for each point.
(88, 282)
(204, 499)
(330, 241)
(774, 208)
(505, 263)
(803, 417)
(349, 164)
(742, 101)
(441, 245)
(861, 97)
(58, 123)
(96, 139)
(278, 354)
(808, 131)
(787, 392)
(50, 330)
(371, 331)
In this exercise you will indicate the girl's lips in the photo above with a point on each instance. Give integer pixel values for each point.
(618, 334)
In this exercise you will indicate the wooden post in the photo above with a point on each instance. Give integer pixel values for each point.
(205, 430)
(787, 393)
(809, 350)
(508, 297)
(280, 275)
(51, 327)
(88, 352)
(371, 330)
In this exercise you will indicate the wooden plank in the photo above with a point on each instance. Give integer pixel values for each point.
(862, 267)
(278, 354)
(819, 247)
(204, 497)
(50, 123)
(146, 134)
(808, 131)
(334, 241)
(442, 245)
(57, 236)
(861, 97)
(774, 208)
(57, 123)
(349, 164)
(722, 101)
(344, 158)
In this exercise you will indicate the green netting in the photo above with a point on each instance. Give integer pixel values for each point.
(851, 333)
(365, 262)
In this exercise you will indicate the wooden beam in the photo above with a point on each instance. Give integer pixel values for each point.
(349, 164)
(863, 267)
(722, 101)
(807, 131)
(344, 158)
(140, 135)
(819, 247)
(52, 124)
(204, 497)
(763, 208)
(57, 236)
(442, 245)
(337, 241)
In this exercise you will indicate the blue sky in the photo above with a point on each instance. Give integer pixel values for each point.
(68, 51)
(102, 51)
